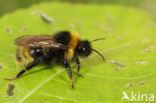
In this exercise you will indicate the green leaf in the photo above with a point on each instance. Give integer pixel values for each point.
(129, 50)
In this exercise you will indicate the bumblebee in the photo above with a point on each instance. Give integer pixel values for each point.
(62, 48)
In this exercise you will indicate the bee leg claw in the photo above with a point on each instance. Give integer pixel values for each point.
(72, 84)
(80, 75)
(10, 79)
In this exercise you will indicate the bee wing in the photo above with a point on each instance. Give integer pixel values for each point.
(45, 41)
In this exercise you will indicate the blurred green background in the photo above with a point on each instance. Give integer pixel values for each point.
(7, 6)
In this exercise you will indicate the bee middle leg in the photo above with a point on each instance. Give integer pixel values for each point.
(28, 67)
(67, 66)
(78, 65)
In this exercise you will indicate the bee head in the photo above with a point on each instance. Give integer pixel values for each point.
(84, 48)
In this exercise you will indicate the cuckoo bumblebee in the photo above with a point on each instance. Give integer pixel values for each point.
(62, 48)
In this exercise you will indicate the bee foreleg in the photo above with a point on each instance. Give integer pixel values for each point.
(28, 67)
(78, 65)
(67, 66)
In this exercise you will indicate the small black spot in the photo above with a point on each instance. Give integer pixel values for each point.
(10, 90)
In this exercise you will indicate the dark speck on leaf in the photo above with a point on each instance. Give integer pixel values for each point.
(71, 26)
(9, 30)
(10, 90)
(24, 28)
(119, 37)
(79, 22)
(110, 18)
(142, 62)
(146, 40)
(44, 16)
(118, 63)
(152, 46)
(142, 82)
(129, 85)
(0, 66)
(147, 50)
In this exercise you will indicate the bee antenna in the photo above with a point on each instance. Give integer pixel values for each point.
(97, 39)
(98, 53)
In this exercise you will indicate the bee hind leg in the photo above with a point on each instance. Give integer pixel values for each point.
(28, 67)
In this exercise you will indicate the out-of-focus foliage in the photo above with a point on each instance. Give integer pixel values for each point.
(7, 6)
